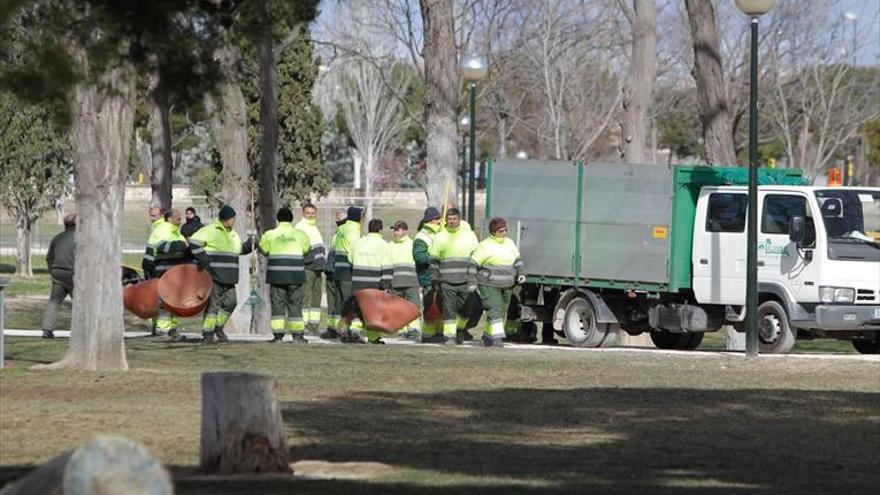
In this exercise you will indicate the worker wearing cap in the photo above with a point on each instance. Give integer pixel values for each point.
(450, 256)
(367, 256)
(497, 266)
(169, 249)
(315, 260)
(60, 261)
(399, 275)
(216, 248)
(286, 249)
(338, 269)
(428, 229)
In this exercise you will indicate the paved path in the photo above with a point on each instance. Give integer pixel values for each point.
(510, 347)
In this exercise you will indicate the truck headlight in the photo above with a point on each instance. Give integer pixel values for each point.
(844, 295)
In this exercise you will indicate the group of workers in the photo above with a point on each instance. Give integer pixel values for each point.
(444, 265)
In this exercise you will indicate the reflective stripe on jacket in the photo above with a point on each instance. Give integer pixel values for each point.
(451, 254)
(496, 262)
(285, 248)
(169, 248)
(316, 257)
(366, 256)
(399, 268)
(221, 247)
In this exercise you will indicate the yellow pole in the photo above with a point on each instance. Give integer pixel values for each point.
(445, 204)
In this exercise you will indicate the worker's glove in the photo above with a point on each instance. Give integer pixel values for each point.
(520, 279)
(329, 276)
(472, 288)
(248, 244)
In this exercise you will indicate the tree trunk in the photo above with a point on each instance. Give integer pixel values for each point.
(103, 119)
(369, 164)
(162, 171)
(23, 264)
(242, 430)
(267, 203)
(357, 162)
(107, 464)
(441, 102)
(707, 72)
(229, 126)
(640, 83)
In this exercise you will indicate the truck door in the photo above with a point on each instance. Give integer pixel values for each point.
(778, 258)
(719, 249)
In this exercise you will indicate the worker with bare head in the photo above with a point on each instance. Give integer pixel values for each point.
(60, 260)
(155, 214)
(450, 254)
(172, 216)
(315, 261)
(169, 249)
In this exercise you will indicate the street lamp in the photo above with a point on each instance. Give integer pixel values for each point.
(473, 68)
(753, 9)
(464, 123)
(522, 155)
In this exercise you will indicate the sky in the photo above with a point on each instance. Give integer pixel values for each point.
(868, 22)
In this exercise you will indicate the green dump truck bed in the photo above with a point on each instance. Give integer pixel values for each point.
(607, 225)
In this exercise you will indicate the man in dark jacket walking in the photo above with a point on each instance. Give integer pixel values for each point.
(193, 223)
(59, 261)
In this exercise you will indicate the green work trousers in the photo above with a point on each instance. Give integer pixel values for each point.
(454, 297)
(338, 294)
(222, 304)
(287, 307)
(495, 302)
(413, 295)
(311, 304)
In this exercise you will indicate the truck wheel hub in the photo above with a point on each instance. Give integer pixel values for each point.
(770, 328)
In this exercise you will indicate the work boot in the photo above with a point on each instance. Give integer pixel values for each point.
(378, 341)
(173, 335)
(354, 338)
(415, 336)
(550, 341)
(299, 338)
(48, 334)
(487, 341)
(451, 341)
(208, 338)
(277, 337)
(498, 342)
(221, 336)
(463, 335)
(330, 334)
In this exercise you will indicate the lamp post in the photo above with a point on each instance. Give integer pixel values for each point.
(465, 123)
(474, 68)
(753, 9)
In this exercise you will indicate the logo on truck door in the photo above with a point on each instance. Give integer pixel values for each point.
(767, 247)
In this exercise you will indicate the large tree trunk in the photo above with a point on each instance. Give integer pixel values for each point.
(267, 203)
(441, 102)
(103, 119)
(707, 72)
(23, 264)
(229, 126)
(369, 164)
(162, 170)
(640, 82)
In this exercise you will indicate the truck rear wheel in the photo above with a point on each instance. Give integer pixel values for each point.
(865, 346)
(680, 341)
(580, 325)
(775, 335)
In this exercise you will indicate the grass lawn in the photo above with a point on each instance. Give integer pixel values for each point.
(430, 420)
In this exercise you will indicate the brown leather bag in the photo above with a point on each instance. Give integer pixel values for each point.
(142, 298)
(385, 312)
(185, 290)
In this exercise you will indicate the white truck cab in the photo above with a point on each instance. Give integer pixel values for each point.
(818, 261)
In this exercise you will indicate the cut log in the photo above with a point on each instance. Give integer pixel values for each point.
(242, 431)
(105, 465)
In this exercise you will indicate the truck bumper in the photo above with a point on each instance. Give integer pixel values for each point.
(849, 317)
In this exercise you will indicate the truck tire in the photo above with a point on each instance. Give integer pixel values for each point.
(669, 340)
(694, 341)
(865, 346)
(580, 325)
(775, 335)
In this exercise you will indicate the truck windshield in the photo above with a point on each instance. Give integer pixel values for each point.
(851, 215)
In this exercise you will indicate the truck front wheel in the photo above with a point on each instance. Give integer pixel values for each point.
(580, 325)
(775, 335)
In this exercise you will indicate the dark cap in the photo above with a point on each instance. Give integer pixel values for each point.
(226, 212)
(431, 213)
(400, 224)
(354, 213)
(284, 214)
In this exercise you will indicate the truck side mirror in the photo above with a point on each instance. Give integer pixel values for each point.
(797, 230)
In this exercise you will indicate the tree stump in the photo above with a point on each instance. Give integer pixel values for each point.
(105, 465)
(242, 431)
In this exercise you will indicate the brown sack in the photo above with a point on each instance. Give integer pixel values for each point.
(185, 290)
(142, 298)
(385, 312)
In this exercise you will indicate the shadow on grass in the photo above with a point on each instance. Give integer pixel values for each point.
(583, 440)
